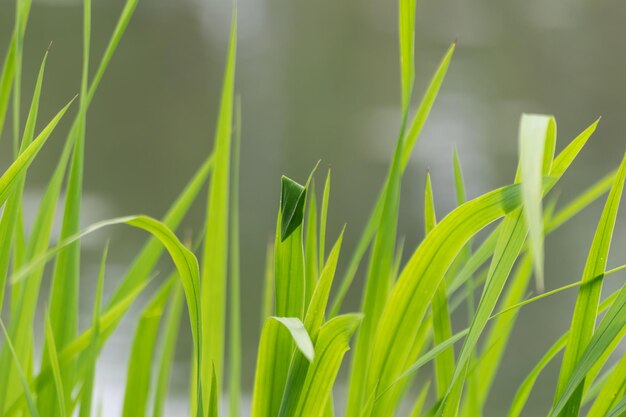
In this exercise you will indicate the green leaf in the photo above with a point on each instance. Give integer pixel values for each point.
(292, 198)
(442, 326)
(268, 385)
(235, 292)
(215, 254)
(312, 322)
(585, 311)
(407, 50)
(533, 135)
(311, 246)
(330, 347)
(619, 409)
(612, 389)
(412, 134)
(323, 221)
(56, 368)
(32, 407)
(411, 295)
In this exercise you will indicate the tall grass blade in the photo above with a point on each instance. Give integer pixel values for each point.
(215, 254)
(585, 311)
(234, 374)
(56, 368)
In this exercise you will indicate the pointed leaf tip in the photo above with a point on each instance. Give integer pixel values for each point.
(291, 206)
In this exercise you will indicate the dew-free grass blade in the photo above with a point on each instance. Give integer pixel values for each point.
(585, 312)
(86, 397)
(234, 365)
(292, 198)
(312, 322)
(442, 326)
(56, 368)
(537, 133)
(323, 222)
(330, 347)
(508, 247)
(612, 389)
(267, 389)
(168, 347)
(30, 401)
(411, 295)
(215, 254)
(311, 245)
(412, 134)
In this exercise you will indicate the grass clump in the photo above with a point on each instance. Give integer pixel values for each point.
(405, 318)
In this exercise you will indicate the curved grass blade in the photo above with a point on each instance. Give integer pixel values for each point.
(292, 198)
(411, 295)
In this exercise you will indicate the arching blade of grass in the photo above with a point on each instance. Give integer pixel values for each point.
(508, 247)
(91, 354)
(312, 322)
(585, 311)
(442, 325)
(234, 384)
(411, 295)
(32, 406)
(166, 356)
(139, 373)
(412, 134)
(330, 347)
(215, 253)
(265, 401)
(184, 260)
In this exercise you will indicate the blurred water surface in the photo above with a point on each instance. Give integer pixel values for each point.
(320, 80)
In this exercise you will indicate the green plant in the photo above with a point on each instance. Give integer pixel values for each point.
(405, 322)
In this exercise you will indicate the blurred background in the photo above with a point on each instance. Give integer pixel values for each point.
(320, 80)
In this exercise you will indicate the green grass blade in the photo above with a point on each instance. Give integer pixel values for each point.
(166, 356)
(311, 245)
(618, 410)
(24, 160)
(312, 322)
(612, 389)
(268, 284)
(267, 388)
(442, 326)
(32, 406)
(508, 247)
(585, 312)
(86, 397)
(418, 406)
(139, 372)
(234, 383)
(533, 136)
(213, 401)
(412, 134)
(6, 81)
(56, 368)
(323, 222)
(411, 295)
(537, 142)
(330, 347)
(407, 51)
(10, 214)
(215, 254)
